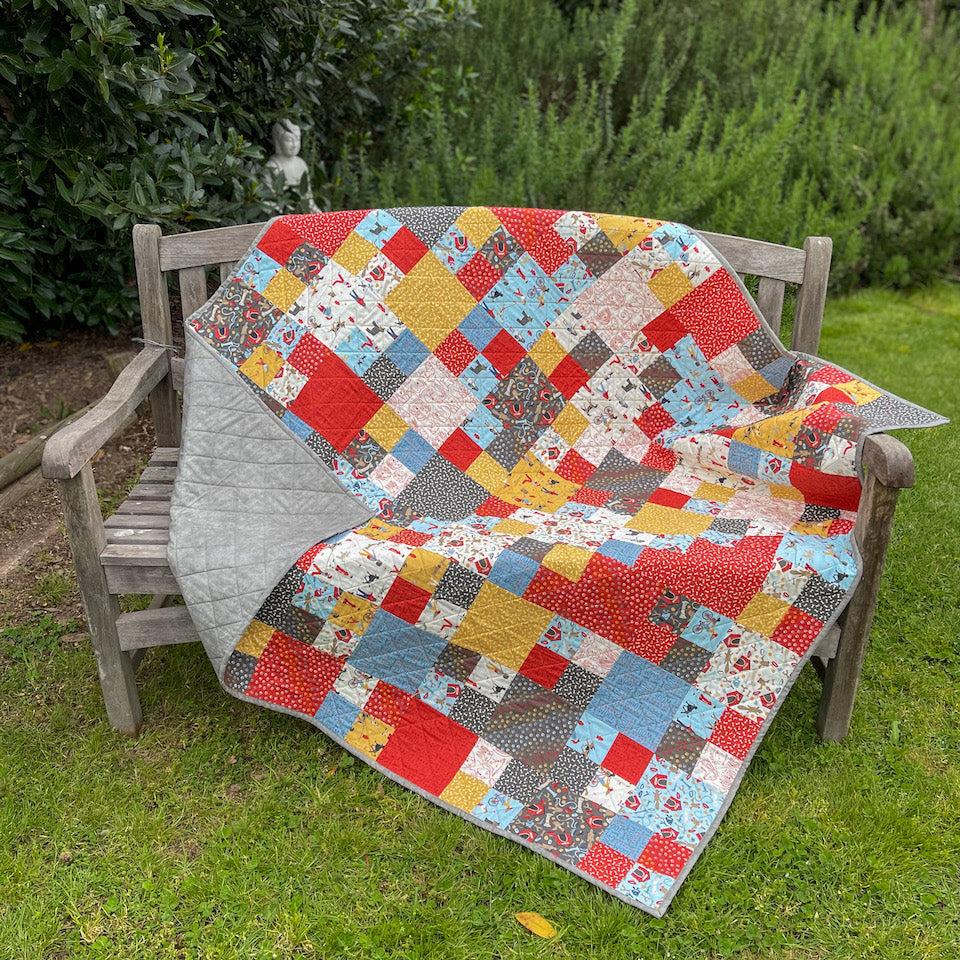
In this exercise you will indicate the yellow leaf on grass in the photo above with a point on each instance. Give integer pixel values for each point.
(537, 924)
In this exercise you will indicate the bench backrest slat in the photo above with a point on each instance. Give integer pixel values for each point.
(190, 254)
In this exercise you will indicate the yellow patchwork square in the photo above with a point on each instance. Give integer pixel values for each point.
(368, 734)
(487, 472)
(355, 253)
(570, 424)
(283, 289)
(255, 638)
(464, 792)
(670, 285)
(501, 626)
(714, 491)
(626, 232)
(763, 614)
(547, 352)
(821, 529)
(424, 568)
(859, 392)
(510, 527)
(533, 484)
(773, 434)
(351, 613)
(783, 492)
(430, 301)
(386, 426)
(654, 518)
(476, 224)
(377, 529)
(262, 365)
(567, 560)
(754, 387)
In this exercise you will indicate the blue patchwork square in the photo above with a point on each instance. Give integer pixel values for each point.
(258, 270)
(744, 459)
(453, 249)
(316, 596)
(563, 636)
(479, 377)
(301, 429)
(513, 572)
(699, 713)
(482, 426)
(357, 351)
(285, 335)
(479, 327)
(397, 652)
(378, 226)
(776, 372)
(573, 277)
(407, 352)
(440, 691)
(707, 628)
(625, 553)
(639, 699)
(497, 808)
(626, 836)
(336, 714)
(592, 737)
(413, 451)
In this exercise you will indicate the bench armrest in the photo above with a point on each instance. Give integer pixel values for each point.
(69, 449)
(889, 461)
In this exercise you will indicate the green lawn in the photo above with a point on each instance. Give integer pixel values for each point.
(228, 831)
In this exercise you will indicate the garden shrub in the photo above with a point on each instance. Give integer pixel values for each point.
(159, 110)
(763, 119)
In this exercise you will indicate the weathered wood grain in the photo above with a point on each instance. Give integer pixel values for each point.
(812, 295)
(84, 524)
(770, 301)
(70, 448)
(156, 627)
(155, 317)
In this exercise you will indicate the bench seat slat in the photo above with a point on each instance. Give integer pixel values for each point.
(126, 535)
(152, 491)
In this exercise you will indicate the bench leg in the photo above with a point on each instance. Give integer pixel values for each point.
(84, 523)
(842, 674)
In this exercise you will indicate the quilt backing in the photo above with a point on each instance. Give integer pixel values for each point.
(605, 516)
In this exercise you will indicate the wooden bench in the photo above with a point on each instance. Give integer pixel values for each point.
(127, 553)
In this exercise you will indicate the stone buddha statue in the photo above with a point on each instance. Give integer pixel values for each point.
(286, 160)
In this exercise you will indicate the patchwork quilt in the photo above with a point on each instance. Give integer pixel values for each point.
(528, 509)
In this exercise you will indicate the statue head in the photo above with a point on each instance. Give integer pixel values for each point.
(286, 138)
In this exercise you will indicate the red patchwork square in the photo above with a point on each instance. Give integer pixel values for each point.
(735, 733)
(504, 353)
(526, 223)
(664, 855)
(825, 489)
(544, 666)
(575, 468)
(664, 331)
(456, 353)
(659, 457)
(405, 249)
(715, 313)
(495, 507)
(593, 498)
(568, 376)
(824, 418)
(405, 600)
(797, 630)
(479, 276)
(654, 420)
(550, 250)
(668, 498)
(307, 557)
(627, 758)
(606, 864)
(460, 449)
(387, 703)
(294, 675)
(326, 230)
(839, 527)
(412, 537)
(334, 401)
(427, 748)
(279, 242)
